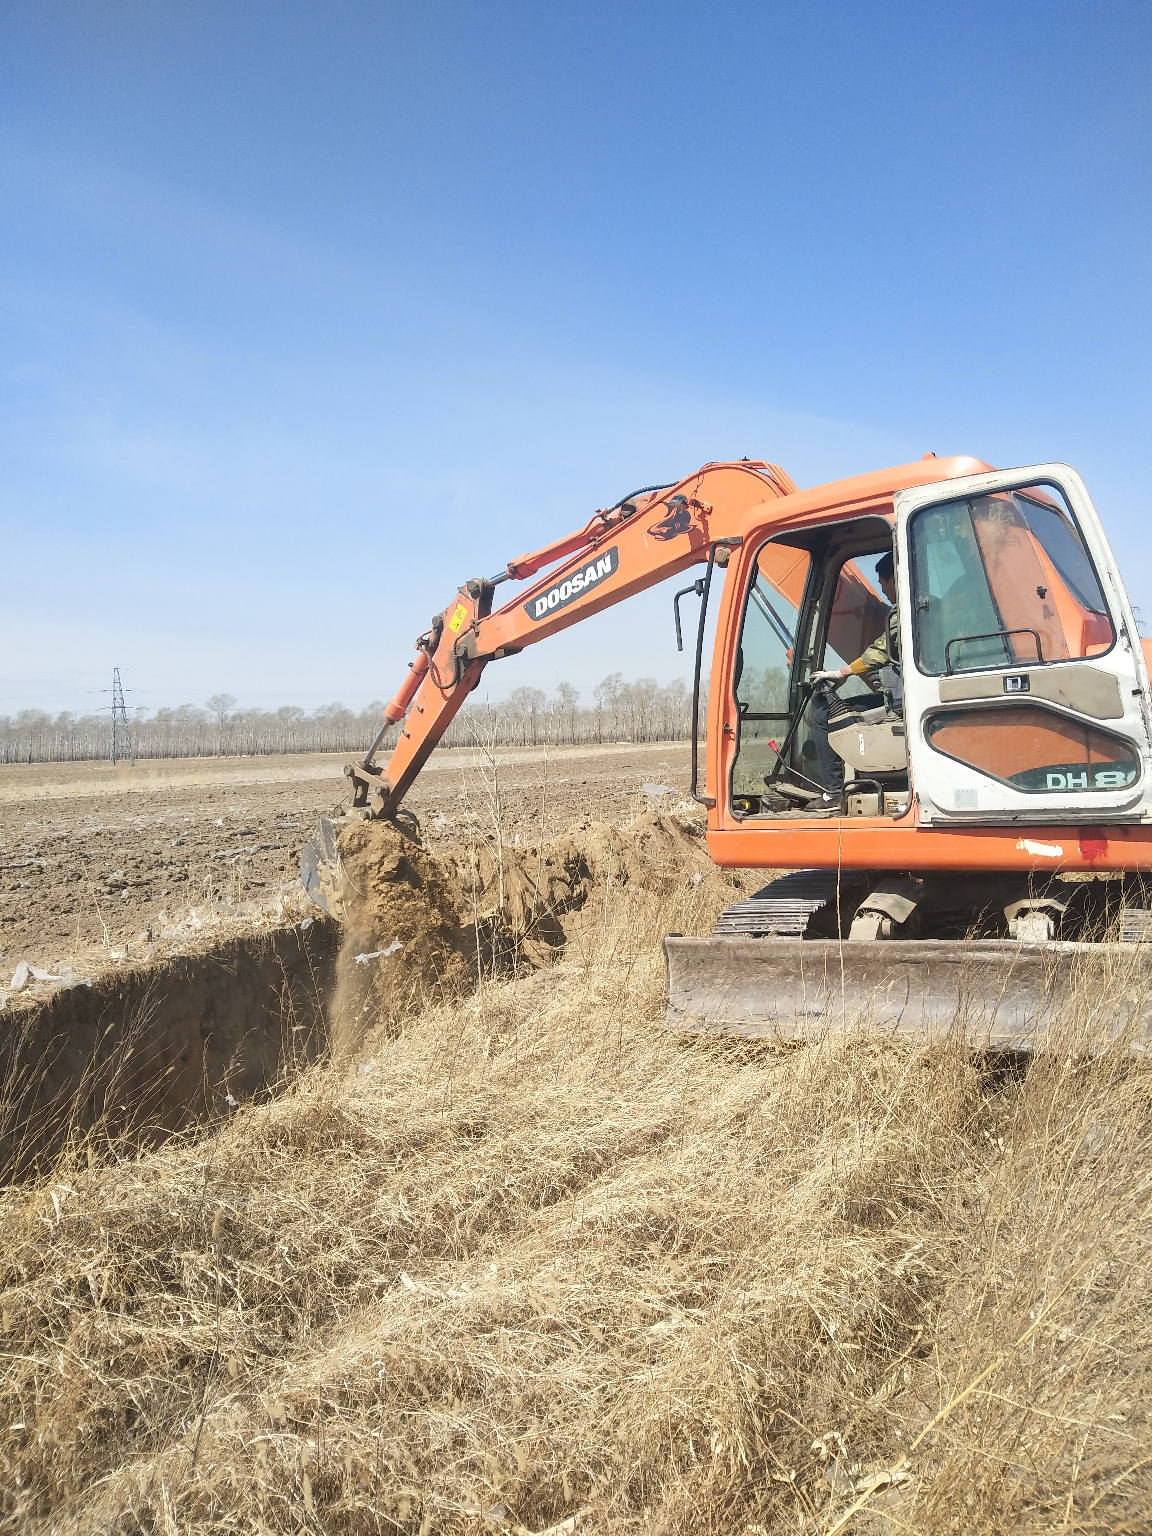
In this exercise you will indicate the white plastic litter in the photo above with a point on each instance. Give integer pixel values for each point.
(24, 973)
(377, 954)
(656, 789)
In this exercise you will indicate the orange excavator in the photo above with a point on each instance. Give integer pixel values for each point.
(981, 850)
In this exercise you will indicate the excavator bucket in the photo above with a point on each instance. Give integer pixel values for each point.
(1004, 995)
(320, 871)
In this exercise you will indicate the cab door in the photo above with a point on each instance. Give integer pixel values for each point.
(1025, 687)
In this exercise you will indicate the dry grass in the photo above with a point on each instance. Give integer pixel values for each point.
(539, 1261)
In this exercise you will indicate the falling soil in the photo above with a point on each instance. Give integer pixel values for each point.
(403, 937)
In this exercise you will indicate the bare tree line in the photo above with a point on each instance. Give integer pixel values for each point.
(639, 711)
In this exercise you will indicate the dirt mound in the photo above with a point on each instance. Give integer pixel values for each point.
(652, 854)
(515, 898)
(417, 923)
(542, 896)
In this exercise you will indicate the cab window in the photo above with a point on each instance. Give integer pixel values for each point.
(1003, 580)
(762, 676)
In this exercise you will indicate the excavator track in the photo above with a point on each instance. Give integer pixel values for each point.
(1136, 926)
(786, 907)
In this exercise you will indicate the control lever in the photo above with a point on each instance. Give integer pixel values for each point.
(806, 692)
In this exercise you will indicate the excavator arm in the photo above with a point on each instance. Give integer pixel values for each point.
(622, 550)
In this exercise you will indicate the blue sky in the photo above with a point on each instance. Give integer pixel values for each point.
(310, 312)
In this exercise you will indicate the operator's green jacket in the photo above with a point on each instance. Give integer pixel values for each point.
(884, 649)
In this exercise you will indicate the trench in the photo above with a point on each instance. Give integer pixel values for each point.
(152, 1050)
(160, 1047)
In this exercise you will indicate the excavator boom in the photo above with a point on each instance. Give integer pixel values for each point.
(642, 540)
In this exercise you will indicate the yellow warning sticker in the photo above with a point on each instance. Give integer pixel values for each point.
(457, 618)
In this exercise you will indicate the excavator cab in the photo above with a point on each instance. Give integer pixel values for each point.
(1019, 694)
(1026, 678)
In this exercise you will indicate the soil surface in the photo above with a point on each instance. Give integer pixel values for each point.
(103, 864)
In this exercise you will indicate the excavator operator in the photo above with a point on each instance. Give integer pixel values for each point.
(877, 665)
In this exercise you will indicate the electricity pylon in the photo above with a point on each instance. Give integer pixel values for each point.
(121, 740)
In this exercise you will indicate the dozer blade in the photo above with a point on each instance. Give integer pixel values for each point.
(320, 871)
(1003, 994)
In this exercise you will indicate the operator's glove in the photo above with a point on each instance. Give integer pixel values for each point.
(827, 677)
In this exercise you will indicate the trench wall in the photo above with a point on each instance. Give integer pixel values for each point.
(148, 1050)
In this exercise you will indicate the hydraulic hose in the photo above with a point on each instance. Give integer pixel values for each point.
(643, 491)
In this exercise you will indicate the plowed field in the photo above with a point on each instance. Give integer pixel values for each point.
(101, 863)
